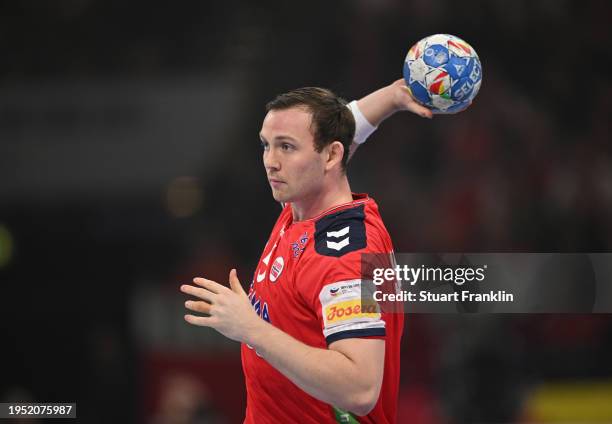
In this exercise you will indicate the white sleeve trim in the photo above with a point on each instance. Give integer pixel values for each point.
(363, 129)
(341, 305)
(379, 323)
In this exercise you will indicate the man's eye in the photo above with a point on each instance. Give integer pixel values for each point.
(264, 145)
(286, 146)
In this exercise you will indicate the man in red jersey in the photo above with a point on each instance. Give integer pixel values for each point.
(311, 352)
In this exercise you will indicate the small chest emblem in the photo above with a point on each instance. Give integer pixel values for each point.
(298, 246)
(276, 268)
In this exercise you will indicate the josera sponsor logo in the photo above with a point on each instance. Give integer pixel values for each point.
(351, 309)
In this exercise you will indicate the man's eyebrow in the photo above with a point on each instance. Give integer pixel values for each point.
(278, 138)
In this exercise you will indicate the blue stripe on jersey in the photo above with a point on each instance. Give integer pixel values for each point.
(351, 334)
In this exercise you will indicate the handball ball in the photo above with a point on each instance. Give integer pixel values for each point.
(443, 73)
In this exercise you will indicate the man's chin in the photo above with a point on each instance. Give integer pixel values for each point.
(280, 197)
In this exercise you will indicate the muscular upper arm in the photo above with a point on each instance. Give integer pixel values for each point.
(368, 356)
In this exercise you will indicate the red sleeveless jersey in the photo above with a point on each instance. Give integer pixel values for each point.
(308, 284)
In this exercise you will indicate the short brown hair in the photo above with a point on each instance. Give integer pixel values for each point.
(331, 119)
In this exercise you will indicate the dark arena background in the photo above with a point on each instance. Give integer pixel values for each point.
(130, 162)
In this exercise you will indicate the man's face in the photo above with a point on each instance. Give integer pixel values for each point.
(294, 168)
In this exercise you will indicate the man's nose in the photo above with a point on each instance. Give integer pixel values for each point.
(270, 160)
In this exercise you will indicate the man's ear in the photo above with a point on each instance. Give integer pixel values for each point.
(335, 153)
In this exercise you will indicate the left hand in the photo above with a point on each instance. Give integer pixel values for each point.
(229, 309)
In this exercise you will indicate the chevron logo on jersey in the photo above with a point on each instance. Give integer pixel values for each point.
(340, 233)
(338, 245)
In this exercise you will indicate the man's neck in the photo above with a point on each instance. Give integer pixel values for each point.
(338, 194)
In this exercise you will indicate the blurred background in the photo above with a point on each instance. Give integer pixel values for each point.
(130, 162)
